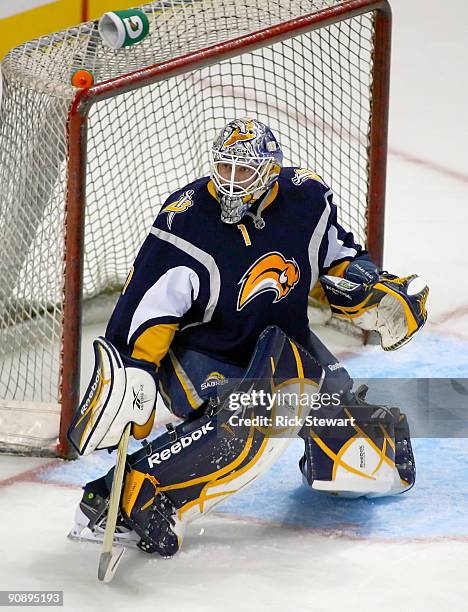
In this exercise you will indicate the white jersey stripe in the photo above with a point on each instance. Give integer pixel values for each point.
(336, 250)
(316, 240)
(205, 259)
(170, 296)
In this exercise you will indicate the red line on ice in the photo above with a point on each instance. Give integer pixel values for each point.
(29, 475)
(413, 159)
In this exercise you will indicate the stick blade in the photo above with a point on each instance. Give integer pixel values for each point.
(108, 563)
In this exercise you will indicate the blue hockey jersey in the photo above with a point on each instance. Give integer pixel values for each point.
(213, 287)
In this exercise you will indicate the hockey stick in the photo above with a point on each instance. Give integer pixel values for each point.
(108, 561)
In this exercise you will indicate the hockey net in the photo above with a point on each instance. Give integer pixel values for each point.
(315, 71)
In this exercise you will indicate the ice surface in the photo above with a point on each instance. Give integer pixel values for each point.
(278, 545)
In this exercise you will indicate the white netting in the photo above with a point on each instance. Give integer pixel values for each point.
(312, 89)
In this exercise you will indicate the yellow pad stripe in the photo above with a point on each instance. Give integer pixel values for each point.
(273, 366)
(336, 459)
(371, 442)
(340, 453)
(387, 437)
(213, 478)
(209, 477)
(297, 357)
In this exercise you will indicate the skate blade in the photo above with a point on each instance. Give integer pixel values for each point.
(83, 534)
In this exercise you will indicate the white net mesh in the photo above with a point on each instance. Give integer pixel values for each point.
(313, 90)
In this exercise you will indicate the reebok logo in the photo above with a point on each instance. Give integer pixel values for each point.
(362, 457)
(334, 366)
(157, 458)
(92, 391)
(139, 398)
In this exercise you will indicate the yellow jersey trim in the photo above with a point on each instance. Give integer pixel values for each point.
(154, 342)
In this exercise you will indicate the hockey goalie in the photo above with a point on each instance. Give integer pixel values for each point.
(215, 307)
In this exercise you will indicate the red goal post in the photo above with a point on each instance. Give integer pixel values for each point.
(317, 71)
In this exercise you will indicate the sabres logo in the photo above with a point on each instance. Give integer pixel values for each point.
(301, 175)
(245, 131)
(179, 206)
(271, 272)
(214, 379)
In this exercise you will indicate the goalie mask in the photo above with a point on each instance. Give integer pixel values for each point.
(246, 160)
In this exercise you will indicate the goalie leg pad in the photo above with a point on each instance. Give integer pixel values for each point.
(337, 378)
(371, 457)
(188, 470)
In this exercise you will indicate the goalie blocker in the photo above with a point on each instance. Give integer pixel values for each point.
(119, 393)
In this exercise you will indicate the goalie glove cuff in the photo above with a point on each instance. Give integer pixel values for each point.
(362, 271)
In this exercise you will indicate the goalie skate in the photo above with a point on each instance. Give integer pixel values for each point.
(90, 521)
(82, 532)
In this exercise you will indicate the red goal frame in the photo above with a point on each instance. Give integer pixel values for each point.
(77, 148)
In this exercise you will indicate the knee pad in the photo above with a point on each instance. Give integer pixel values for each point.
(365, 452)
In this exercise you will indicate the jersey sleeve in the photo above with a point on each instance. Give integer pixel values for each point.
(167, 288)
(338, 247)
